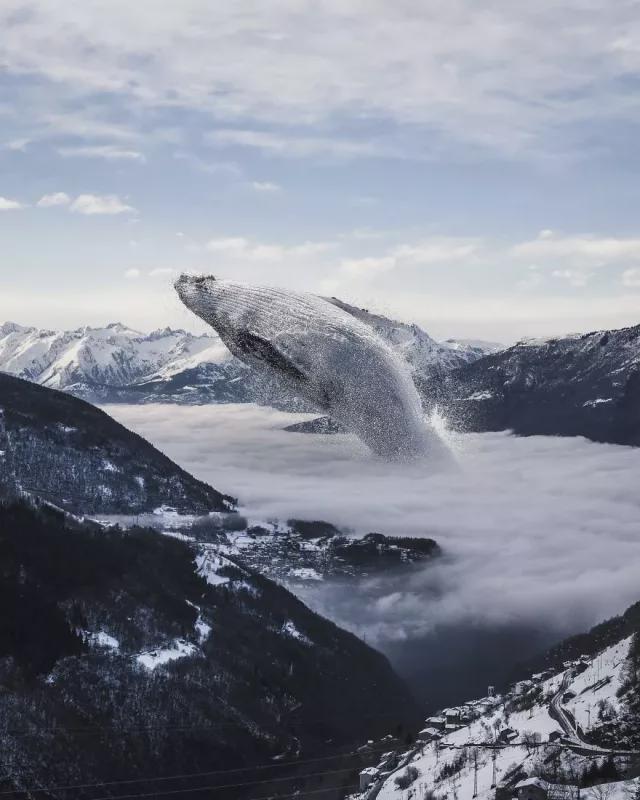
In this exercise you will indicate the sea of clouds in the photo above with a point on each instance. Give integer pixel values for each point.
(536, 532)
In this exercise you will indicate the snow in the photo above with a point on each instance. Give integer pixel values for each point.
(115, 355)
(484, 395)
(156, 658)
(598, 401)
(103, 639)
(203, 629)
(210, 561)
(618, 790)
(289, 629)
(306, 574)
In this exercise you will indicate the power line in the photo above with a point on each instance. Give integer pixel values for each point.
(191, 790)
(185, 776)
(226, 786)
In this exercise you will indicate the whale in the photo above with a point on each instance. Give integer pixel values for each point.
(320, 353)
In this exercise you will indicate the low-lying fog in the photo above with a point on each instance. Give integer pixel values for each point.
(541, 534)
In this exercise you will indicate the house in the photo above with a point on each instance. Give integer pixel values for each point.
(451, 715)
(436, 722)
(428, 735)
(367, 777)
(507, 735)
(388, 760)
(522, 686)
(532, 789)
(452, 727)
(539, 789)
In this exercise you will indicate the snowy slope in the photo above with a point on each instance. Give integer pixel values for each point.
(506, 739)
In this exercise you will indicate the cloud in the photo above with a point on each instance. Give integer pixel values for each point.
(594, 250)
(573, 277)
(161, 272)
(227, 168)
(9, 205)
(368, 265)
(132, 273)
(458, 75)
(631, 278)
(55, 199)
(299, 146)
(537, 531)
(266, 187)
(108, 152)
(242, 249)
(434, 251)
(91, 204)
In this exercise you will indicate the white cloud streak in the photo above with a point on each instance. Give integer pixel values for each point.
(10, 205)
(107, 152)
(94, 204)
(54, 199)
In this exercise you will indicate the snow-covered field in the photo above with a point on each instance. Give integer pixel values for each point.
(532, 528)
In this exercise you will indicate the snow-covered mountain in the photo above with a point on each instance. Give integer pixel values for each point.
(136, 664)
(585, 385)
(567, 730)
(117, 363)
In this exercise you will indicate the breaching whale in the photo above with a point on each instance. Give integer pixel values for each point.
(324, 355)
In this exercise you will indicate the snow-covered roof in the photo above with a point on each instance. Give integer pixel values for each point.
(532, 782)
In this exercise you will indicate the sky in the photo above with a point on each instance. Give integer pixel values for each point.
(470, 167)
(509, 560)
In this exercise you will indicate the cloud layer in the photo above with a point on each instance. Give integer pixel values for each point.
(537, 531)
(438, 67)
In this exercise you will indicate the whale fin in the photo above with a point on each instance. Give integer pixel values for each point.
(263, 350)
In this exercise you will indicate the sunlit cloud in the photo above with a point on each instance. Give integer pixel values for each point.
(92, 204)
(54, 199)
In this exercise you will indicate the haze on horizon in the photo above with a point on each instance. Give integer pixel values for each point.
(453, 166)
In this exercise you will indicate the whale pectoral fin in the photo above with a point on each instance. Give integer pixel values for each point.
(263, 350)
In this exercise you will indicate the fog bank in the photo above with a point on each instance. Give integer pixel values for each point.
(537, 532)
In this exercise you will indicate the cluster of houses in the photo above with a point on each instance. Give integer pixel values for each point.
(452, 719)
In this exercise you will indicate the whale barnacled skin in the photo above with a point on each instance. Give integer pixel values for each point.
(324, 354)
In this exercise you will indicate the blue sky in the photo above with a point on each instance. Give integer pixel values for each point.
(471, 167)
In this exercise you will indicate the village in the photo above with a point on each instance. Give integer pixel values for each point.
(531, 742)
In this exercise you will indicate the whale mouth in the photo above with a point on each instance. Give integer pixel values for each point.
(189, 286)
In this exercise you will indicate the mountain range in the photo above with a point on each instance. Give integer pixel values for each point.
(586, 384)
(118, 364)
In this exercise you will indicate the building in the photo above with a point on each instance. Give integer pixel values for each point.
(428, 735)
(367, 777)
(532, 789)
(539, 789)
(436, 722)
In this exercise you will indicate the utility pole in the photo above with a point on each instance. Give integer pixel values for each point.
(494, 756)
(475, 772)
